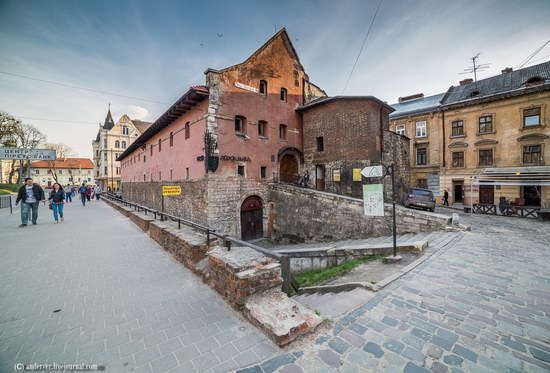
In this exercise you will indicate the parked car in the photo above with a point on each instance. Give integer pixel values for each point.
(422, 198)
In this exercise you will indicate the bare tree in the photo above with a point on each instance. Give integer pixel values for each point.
(9, 127)
(26, 136)
(62, 151)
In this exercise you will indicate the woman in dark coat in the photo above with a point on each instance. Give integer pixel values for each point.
(57, 198)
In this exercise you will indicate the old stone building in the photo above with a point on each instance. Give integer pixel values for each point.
(344, 134)
(495, 138)
(418, 118)
(486, 139)
(224, 142)
(111, 140)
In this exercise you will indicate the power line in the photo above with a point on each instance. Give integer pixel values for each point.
(361, 50)
(58, 120)
(522, 63)
(81, 88)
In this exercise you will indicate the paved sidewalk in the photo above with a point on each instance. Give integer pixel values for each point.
(482, 305)
(98, 290)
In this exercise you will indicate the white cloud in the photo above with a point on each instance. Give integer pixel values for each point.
(137, 112)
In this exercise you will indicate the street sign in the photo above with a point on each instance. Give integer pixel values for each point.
(373, 199)
(373, 171)
(27, 154)
(171, 190)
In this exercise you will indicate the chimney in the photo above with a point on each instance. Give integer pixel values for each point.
(411, 97)
(507, 70)
(466, 81)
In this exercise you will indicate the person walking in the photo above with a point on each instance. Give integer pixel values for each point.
(88, 193)
(446, 198)
(98, 192)
(68, 193)
(82, 190)
(30, 195)
(57, 198)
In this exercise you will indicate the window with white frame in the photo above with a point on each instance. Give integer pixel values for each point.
(421, 129)
(400, 129)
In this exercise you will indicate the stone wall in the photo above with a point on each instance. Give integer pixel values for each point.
(192, 204)
(303, 215)
(396, 151)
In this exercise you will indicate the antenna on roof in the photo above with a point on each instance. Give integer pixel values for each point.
(475, 68)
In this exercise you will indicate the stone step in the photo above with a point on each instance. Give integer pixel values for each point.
(282, 318)
(332, 305)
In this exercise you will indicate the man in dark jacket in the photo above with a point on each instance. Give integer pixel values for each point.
(30, 194)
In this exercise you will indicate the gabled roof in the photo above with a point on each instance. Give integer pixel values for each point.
(282, 33)
(141, 125)
(416, 106)
(65, 163)
(192, 97)
(509, 84)
(324, 100)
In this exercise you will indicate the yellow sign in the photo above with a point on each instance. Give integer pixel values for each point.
(171, 190)
(336, 175)
(357, 174)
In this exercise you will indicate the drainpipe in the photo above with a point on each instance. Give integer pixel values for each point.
(381, 136)
(443, 142)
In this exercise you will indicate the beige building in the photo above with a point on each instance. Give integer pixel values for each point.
(418, 118)
(495, 139)
(73, 171)
(486, 139)
(111, 141)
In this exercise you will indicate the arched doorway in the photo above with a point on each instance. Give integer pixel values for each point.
(252, 226)
(289, 169)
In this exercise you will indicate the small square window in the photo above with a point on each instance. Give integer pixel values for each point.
(273, 158)
(263, 87)
(262, 128)
(400, 129)
(240, 171)
(486, 157)
(282, 132)
(283, 94)
(421, 129)
(240, 124)
(486, 124)
(320, 144)
(531, 117)
(263, 171)
(457, 128)
(421, 156)
(422, 183)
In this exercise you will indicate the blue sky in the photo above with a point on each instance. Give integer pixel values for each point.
(152, 50)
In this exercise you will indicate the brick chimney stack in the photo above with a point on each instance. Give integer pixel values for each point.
(466, 81)
(507, 70)
(411, 97)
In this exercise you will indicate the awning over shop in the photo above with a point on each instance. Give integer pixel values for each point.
(523, 176)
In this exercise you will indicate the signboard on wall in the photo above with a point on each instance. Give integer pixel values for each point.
(373, 199)
(27, 154)
(171, 190)
(357, 174)
(336, 175)
(373, 171)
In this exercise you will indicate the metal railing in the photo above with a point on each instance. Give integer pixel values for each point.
(289, 282)
(5, 202)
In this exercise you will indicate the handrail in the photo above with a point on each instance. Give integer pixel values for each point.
(228, 241)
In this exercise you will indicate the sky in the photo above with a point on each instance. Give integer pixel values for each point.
(141, 56)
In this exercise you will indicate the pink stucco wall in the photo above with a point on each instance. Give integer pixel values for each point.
(177, 158)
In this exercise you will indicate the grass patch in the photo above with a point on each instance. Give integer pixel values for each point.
(10, 187)
(318, 276)
(4, 192)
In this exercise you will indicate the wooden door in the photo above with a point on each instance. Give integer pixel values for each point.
(458, 192)
(252, 219)
(486, 195)
(320, 177)
(289, 169)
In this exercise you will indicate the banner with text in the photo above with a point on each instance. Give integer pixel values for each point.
(27, 154)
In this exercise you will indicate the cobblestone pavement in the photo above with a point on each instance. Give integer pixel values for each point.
(96, 289)
(482, 305)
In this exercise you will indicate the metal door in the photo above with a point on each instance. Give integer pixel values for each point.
(252, 219)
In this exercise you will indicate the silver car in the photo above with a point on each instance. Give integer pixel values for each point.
(422, 198)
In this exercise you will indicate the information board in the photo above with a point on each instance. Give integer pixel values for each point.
(373, 199)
